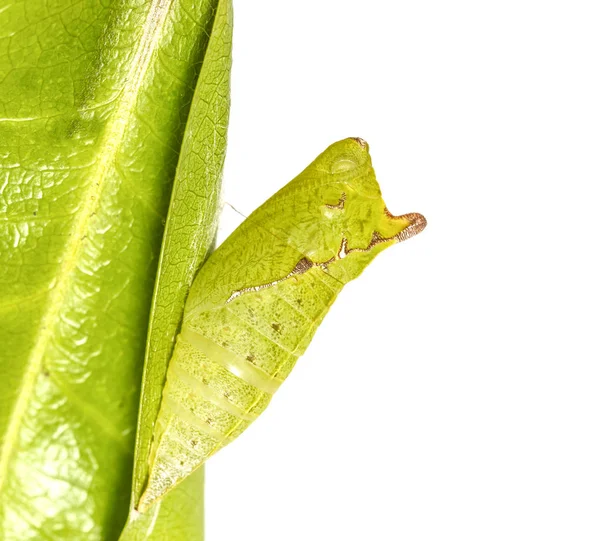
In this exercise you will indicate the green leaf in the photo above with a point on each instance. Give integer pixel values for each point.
(256, 303)
(94, 99)
(189, 234)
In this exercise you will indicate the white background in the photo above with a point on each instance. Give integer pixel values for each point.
(454, 390)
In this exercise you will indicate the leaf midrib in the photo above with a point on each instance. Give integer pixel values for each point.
(112, 139)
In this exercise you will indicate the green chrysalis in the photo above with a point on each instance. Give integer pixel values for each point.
(256, 303)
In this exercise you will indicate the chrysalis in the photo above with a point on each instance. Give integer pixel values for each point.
(257, 302)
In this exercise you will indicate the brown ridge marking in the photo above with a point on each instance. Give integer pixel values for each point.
(301, 267)
(417, 223)
(340, 204)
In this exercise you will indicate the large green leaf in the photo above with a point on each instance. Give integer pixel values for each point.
(94, 98)
(189, 234)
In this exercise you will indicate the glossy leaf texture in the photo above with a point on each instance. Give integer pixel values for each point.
(189, 235)
(94, 100)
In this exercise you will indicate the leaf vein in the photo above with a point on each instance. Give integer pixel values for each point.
(114, 135)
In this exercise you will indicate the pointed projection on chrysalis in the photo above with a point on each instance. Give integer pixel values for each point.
(257, 302)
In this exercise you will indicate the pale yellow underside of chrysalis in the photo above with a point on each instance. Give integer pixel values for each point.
(257, 302)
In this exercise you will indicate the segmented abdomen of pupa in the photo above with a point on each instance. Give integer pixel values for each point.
(227, 364)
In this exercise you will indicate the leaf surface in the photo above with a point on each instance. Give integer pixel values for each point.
(189, 234)
(94, 99)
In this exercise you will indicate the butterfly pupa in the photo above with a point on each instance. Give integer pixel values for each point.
(257, 301)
